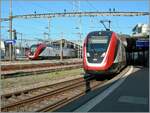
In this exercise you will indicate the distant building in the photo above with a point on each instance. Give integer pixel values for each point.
(141, 30)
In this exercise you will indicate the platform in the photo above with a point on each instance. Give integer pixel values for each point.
(131, 96)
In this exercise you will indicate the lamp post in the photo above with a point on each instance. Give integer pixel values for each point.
(61, 48)
(10, 31)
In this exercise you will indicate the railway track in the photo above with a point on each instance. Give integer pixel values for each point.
(51, 87)
(41, 70)
(64, 101)
(44, 98)
(50, 100)
(9, 66)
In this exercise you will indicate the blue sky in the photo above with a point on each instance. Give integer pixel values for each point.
(34, 28)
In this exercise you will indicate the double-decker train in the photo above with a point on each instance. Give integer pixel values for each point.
(103, 53)
(44, 51)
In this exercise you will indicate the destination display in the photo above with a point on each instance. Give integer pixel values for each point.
(98, 39)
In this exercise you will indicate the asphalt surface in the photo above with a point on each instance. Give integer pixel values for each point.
(131, 96)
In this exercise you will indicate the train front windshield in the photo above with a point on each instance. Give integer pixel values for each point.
(97, 44)
(33, 48)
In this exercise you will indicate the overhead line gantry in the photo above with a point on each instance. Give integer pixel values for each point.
(78, 14)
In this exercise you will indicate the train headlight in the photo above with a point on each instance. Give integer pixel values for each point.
(103, 54)
(88, 54)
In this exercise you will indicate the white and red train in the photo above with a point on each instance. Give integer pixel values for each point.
(43, 51)
(103, 53)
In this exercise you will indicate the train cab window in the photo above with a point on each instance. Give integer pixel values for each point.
(33, 48)
(97, 43)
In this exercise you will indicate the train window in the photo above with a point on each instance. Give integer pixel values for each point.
(97, 43)
(33, 48)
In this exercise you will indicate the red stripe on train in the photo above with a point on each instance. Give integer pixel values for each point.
(38, 50)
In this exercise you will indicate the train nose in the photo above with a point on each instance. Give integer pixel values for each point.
(95, 57)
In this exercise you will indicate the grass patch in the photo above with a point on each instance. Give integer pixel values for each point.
(34, 79)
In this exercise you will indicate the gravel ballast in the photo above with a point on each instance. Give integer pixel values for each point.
(20, 83)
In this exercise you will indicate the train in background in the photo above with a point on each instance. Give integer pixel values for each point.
(104, 53)
(45, 51)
